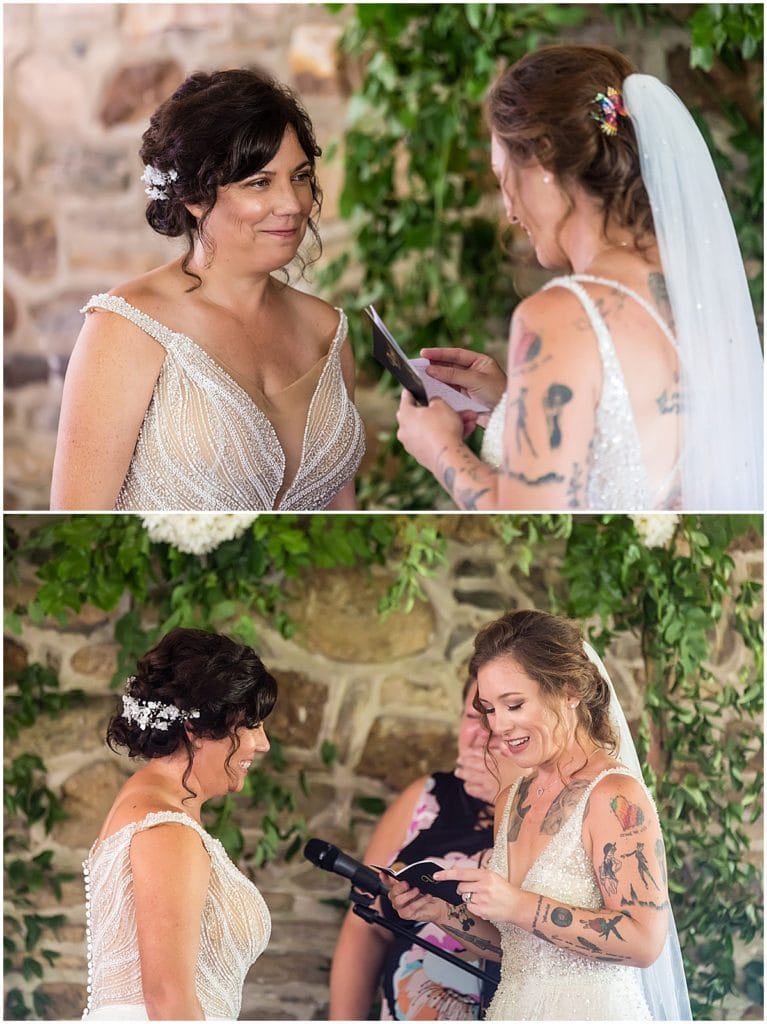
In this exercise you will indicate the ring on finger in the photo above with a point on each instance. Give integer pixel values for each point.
(466, 896)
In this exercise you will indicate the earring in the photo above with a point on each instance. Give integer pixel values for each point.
(547, 179)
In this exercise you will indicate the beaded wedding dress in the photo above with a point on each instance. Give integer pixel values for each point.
(235, 928)
(207, 443)
(541, 981)
(618, 478)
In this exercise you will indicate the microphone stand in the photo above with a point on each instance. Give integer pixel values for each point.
(362, 907)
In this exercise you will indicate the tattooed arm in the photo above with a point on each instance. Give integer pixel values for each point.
(478, 937)
(630, 866)
(627, 853)
(554, 378)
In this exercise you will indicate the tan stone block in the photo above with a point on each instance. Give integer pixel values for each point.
(415, 695)
(297, 716)
(111, 242)
(15, 657)
(54, 90)
(313, 57)
(28, 464)
(398, 751)
(151, 19)
(10, 313)
(280, 969)
(31, 246)
(338, 617)
(133, 92)
(87, 796)
(96, 660)
(81, 729)
(66, 1000)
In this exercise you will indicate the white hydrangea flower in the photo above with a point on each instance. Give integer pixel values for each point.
(655, 529)
(197, 533)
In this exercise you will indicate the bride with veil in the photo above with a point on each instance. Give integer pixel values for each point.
(635, 377)
(574, 902)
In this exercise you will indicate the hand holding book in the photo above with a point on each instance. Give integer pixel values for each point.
(417, 374)
(420, 875)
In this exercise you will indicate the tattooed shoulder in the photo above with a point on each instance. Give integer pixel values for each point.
(656, 282)
(562, 806)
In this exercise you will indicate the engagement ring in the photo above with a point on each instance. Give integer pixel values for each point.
(466, 896)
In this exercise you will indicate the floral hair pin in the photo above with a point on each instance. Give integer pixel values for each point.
(610, 106)
(153, 714)
(156, 181)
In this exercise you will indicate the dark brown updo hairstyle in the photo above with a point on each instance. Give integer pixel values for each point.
(195, 670)
(550, 651)
(540, 109)
(214, 130)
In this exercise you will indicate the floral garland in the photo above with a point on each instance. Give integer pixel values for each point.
(197, 533)
(655, 529)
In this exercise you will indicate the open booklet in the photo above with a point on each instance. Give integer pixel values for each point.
(411, 373)
(421, 876)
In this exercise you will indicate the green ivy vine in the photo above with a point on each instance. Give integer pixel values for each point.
(417, 187)
(700, 740)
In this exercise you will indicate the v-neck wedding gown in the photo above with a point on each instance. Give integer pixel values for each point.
(234, 929)
(208, 444)
(541, 981)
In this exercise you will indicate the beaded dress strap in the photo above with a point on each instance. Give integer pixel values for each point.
(639, 299)
(117, 304)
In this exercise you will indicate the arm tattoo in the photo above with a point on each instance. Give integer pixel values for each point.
(476, 940)
(468, 498)
(642, 864)
(520, 427)
(629, 815)
(557, 396)
(603, 927)
(528, 348)
(660, 853)
(668, 404)
(657, 285)
(609, 868)
(519, 810)
(547, 478)
(462, 915)
(574, 487)
(636, 902)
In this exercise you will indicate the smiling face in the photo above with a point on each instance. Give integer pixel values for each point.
(529, 724)
(259, 222)
(532, 199)
(219, 773)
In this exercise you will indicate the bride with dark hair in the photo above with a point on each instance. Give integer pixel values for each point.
(209, 383)
(172, 925)
(634, 378)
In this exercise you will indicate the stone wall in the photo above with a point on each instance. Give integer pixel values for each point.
(385, 693)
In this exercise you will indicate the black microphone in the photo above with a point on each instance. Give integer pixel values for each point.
(330, 858)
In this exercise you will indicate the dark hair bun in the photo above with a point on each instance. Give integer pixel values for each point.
(193, 671)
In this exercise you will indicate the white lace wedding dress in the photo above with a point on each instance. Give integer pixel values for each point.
(541, 981)
(235, 928)
(618, 477)
(207, 443)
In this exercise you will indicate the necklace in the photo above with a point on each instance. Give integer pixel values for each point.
(540, 790)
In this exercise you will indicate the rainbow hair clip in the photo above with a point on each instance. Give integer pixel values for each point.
(610, 106)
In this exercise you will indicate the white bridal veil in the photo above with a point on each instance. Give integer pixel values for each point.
(721, 366)
(664, 983)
